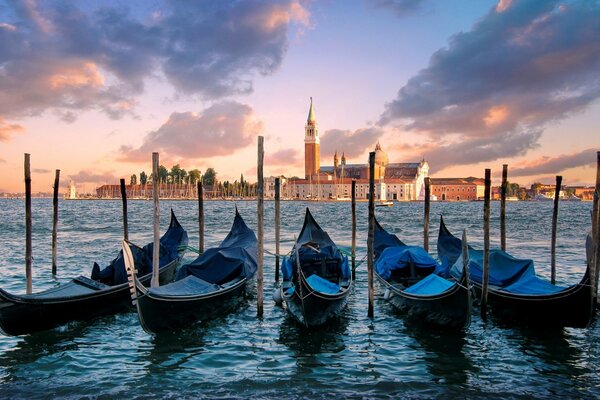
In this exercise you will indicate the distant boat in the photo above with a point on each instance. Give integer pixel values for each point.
(571, 197)
(512, 198)
(385, 204)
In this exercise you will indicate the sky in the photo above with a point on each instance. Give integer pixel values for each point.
(94, 87)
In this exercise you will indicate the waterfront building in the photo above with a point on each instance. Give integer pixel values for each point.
(393, 181)
(458, 189)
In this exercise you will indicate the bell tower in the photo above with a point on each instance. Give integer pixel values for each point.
(312, 156)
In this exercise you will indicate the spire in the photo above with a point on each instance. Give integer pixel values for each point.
(343, 158)
(311, 113)
(377, 146)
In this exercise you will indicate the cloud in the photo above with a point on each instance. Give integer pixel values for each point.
(219, 130)
(2, 161)
(521, 67)
(401, 8)
(88, 176)
(553, 165)
(475, 150)
(352, 143)
(289, 157)
(56, 56)
(7, 130)
(41, 171)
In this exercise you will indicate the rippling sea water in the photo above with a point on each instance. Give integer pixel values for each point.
(239, 355)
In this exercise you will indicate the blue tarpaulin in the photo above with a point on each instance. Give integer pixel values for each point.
(504, 268)
(115, 272)
(315, 247)
(322, 285)
(507, 273)
(400, 257)
(235, 257)
(430, 285)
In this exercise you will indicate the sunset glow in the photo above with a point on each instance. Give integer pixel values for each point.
(93, 88)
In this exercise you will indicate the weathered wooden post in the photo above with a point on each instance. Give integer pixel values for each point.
(353, 229)
(156, 222)
(55, 220)
(277, 225)
(28, 256)
(200, 218)
(371, 236)
(554, 227)
(124, 200)
(503, 189)
(486, 244)
(596, 230)
(426, 221)
(260, 212)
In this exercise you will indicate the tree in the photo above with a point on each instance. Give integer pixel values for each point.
(175, 173)
(194, 176)
(210, 177)
(163, 174)
(143, 178)
(133, 180)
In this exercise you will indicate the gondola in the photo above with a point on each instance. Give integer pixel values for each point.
(316, 277)
(210, 285)
(420, 287)
(83, 298)
(516, 293)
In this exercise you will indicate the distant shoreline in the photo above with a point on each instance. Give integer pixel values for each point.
(270, 199)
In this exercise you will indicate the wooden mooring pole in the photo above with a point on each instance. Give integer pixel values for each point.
(260, 212)
(156, 222)
(554, 227)
(371, 236)
(200, 217)
(55, 220)
(277, 225)
(486, 244)
(426, 220)
(353, 229)
(124, 200)
(596, 231)
(28, 255)
(503, 189)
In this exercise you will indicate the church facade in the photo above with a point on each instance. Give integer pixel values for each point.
(393, 181)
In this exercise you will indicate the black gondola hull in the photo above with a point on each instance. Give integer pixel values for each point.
(570, 308)
(21, 315)
(159, 314)
(316, 308)
(449, 310)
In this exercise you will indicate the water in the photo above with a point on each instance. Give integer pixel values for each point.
(239, 355)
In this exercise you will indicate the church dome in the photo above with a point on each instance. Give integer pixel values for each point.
(381, 157)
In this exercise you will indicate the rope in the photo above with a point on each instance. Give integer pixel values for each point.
(276, 255)
(190, 248)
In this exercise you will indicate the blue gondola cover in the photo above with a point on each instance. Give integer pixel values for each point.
(115, 274)
(322, 285)
(314, 246)
(235, 256)
(504, 268)
(430, 285)
(400, 257)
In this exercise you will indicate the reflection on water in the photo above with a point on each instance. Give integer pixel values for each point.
(444, 356)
